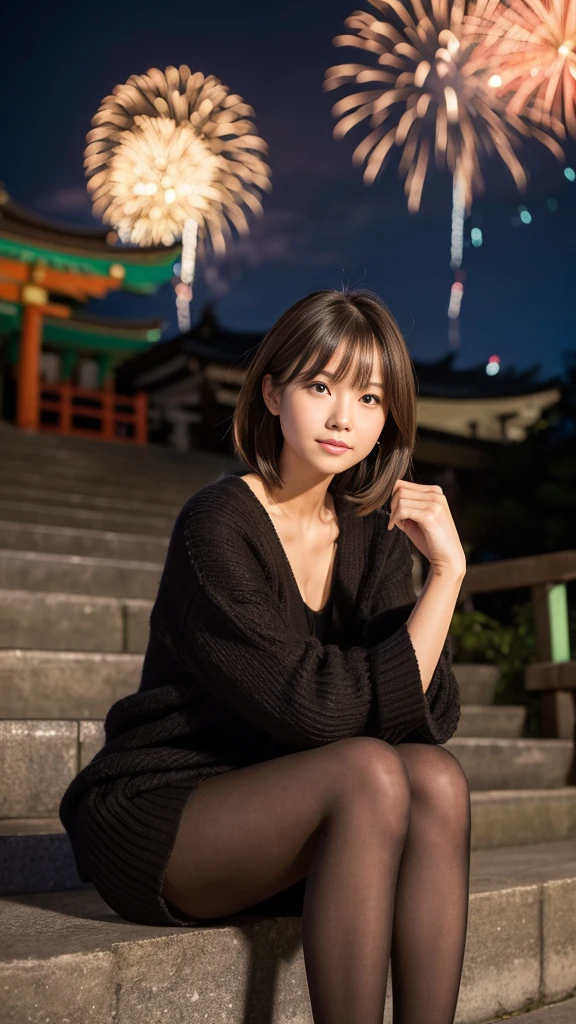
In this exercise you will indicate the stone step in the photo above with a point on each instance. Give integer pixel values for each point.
(45, 621)
(504, 721)
(65, 685)
(563, 1012)
(68, 956)
(66, 515)
(36, 856)
(40, 756)
(70, 540)
(492, 763)
(105, 478)
(112, 465)
(79, 574)
(47, 448)
(516, 817)
(77, 498)
(477, 683)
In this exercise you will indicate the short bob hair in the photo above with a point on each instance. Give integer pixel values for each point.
(310, 331)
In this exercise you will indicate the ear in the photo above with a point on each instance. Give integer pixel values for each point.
(269, 394)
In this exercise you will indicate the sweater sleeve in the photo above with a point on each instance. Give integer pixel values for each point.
(395, 599)
(238, 645)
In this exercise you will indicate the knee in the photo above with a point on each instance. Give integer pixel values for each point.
(372, 770)
(438, 783)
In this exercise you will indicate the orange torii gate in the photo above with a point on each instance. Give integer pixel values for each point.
(30, 284)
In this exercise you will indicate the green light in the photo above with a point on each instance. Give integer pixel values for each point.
(525, 217)
(476, 236)
(552, 205)
(569, 173)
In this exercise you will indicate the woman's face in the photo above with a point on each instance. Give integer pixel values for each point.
(310, 413)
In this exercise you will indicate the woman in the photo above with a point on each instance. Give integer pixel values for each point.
(294, 693)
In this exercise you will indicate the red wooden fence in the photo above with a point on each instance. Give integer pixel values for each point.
(102, 405)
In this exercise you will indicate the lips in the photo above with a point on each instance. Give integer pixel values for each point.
(337, 444)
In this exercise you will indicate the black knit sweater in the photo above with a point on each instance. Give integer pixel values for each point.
(232, 675)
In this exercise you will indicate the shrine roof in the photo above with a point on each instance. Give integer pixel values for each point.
(27, 236)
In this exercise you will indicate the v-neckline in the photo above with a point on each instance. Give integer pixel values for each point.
(336, 565)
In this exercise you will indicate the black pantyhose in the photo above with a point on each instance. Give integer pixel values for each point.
(381, 836)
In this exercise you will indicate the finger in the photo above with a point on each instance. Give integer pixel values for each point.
(433, 488)
(422, 512)
(400, 501)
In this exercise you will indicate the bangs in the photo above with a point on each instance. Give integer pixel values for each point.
(359, 361)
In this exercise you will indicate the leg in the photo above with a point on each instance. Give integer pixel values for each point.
(431, 912)
(336, 815)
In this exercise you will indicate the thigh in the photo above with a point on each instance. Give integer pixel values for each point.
(248, 834)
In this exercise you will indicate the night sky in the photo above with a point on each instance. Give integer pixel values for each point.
(322, 227)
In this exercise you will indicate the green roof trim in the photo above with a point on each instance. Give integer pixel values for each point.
(68, 334)
(83, 335)
(145, 272)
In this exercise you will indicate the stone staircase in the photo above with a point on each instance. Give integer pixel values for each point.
(83, 533)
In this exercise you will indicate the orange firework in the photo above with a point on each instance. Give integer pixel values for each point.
(530, 46)
(428, 94)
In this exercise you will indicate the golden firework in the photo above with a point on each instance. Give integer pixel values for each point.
(530, 46)
(171, 155)
(428, 95)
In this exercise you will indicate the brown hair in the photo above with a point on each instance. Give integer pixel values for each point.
(311, 330)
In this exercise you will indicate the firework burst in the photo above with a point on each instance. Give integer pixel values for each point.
(427, 96)
(530, 46)
(172, 155)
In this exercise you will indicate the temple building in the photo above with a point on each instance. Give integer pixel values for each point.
(57, 359)
(193, 381)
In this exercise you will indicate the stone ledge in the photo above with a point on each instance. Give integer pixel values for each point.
(557, 1013)
(68, 956)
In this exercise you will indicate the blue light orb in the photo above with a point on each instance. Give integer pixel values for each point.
(476, 236)
(569, 173)
(492, 369)
(525, 217)
(552, 205)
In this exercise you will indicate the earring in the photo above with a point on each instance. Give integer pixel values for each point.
(377, 442)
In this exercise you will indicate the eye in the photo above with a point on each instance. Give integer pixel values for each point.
(321, 384)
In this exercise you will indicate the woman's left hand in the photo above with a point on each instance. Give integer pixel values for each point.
(421, 511)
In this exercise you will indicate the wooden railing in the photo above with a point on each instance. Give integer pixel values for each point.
(554, 674)
(73, 406)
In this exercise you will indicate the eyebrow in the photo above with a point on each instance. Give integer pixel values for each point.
(372, 384)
